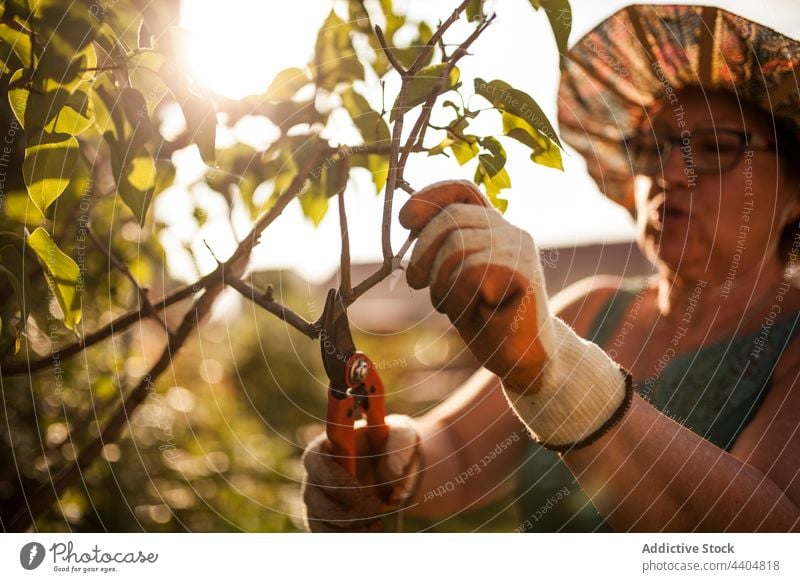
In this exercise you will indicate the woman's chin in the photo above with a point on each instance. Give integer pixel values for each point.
(676, 255)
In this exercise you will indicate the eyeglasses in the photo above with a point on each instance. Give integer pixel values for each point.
(707, 151)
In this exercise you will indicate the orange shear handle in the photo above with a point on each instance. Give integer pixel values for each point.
(343, 412)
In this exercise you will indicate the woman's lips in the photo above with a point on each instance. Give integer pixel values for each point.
(663, 213)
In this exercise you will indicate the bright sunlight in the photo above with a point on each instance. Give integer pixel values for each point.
(236, 47)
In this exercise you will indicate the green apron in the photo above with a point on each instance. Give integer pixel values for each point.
(714, 391)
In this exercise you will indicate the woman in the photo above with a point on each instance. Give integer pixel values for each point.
(689, 417)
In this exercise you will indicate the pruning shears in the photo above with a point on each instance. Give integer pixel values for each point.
(355, 387)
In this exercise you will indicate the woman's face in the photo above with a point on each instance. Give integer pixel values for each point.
(712, 226)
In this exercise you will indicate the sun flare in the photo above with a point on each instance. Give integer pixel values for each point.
(236, 47)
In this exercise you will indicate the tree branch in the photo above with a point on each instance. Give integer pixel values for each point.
(422, 57)
(14, 368)
(388, 52)
(235, 265)
(68, 476)
(266, 301)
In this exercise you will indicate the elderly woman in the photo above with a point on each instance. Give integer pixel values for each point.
(684, 414)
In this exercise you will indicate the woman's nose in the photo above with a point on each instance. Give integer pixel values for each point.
(677, 166)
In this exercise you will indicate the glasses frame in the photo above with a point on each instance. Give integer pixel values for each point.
(747, 140)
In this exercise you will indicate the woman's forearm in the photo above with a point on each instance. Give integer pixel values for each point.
(651, 474)
(471, 445)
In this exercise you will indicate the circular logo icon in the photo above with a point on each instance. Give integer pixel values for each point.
(31, 555)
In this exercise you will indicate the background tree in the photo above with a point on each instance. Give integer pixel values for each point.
(89, 330)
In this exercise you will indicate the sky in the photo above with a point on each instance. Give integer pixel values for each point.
(238, 51)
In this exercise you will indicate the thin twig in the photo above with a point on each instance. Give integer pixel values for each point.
(405, 186)
(265, 301)
(423, 56)
(388, 52)
(406, 245)
(123, 268)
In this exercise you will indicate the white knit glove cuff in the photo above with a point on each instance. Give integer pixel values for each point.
(580, 394)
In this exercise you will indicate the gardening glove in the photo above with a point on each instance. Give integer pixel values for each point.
(333, 501)
(485, 275)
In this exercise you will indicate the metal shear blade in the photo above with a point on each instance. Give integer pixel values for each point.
(336, 343)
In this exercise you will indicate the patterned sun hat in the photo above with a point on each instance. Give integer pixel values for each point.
(642, 54)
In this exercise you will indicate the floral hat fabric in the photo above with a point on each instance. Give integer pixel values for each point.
(644, 53)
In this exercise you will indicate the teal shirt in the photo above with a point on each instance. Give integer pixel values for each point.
(715, 391)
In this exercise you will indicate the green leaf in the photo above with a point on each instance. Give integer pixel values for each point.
(15, 42)
(201, 119)
(335, 59)
(16, 265)
(474, 10)
(49, 162)
(377, 165)
(287, 83)
(505, 98)
(18, 96)
(121, 116)
(144, 71)
(235, 164)
(495, 160)
(424, 84)
(439, 148)
(123, 119)
(314, 204)
(104, 101)
(545, 152)
(494, 185)
(372, 126)
(56, 111)
(464, 151)
(559, 14)
(19, 207)
(62, 275)
(137, 184)
(68, 28)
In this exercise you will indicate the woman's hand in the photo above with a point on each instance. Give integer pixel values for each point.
(485, 274)
(334, 501)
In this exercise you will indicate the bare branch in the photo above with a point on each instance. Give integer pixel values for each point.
(406, 245)
(266, 301)
(388, 52)
(423, 57)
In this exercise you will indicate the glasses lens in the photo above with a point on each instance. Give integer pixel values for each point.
(716, 151)
(646, 152)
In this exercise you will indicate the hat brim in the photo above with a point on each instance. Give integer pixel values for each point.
(642, 54)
